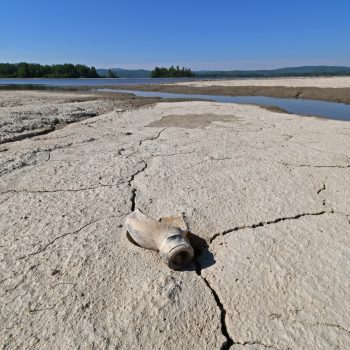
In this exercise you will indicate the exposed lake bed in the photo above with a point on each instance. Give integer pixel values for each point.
(298, 106)
(267, 192)
(302, 100)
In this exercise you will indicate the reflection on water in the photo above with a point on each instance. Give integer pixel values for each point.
(42, 87)
(324, 109)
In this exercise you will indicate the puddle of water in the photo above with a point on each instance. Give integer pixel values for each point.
(324, 109)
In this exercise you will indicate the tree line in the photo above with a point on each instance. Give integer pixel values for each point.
(161, 72)
(35, 70)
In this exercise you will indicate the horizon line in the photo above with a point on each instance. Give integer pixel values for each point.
(277, 67)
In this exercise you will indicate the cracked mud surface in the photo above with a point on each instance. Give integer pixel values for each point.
(27, 114)
(268, 193)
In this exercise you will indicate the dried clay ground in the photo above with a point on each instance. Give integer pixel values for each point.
(265, 195)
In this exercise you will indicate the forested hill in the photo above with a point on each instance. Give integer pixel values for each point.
(304, 71)
(34, 70)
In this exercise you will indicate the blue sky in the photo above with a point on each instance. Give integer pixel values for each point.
(219, 34)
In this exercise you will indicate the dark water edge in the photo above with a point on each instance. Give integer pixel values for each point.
(304, 107)
(33, 87)
(82, 82)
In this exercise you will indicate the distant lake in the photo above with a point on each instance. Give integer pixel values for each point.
(92, 82)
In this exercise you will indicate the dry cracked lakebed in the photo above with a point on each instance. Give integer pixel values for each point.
(267, 195)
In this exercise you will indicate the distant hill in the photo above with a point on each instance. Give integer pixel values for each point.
(281, 72)
(126, 73)
(304, 71)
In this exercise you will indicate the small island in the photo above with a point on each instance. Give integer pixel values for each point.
(161, 72)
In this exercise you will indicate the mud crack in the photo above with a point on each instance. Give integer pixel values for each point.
(152, 138)
(47, 245)
(327, 324)
(322, 188)
(64, 190)
(4, 201)
(228, 342)
(324, 200)
(264, 223)
(145, 165)
(133, 189)
(170, 155)
(315, 166)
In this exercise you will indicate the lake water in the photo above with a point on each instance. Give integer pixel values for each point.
(324, 109)
(91, 82)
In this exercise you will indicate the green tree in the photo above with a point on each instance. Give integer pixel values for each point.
(156, 73)
(171, 72)
(34, 70)
(22, 70)
(111, 74)
(92, 73)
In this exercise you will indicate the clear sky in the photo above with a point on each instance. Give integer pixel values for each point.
(201, 34)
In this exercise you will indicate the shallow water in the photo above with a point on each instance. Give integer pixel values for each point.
(317, 108)
(91, 82)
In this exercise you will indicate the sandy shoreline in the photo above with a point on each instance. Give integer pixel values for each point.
(266, 193)
(319, 82)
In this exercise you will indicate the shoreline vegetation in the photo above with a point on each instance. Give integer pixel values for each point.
(68, 70)
(35, 70)
(161, 72)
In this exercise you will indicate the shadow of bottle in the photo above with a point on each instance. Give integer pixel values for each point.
(203, 258)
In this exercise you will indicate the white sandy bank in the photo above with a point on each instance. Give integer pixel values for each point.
(329, 82)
